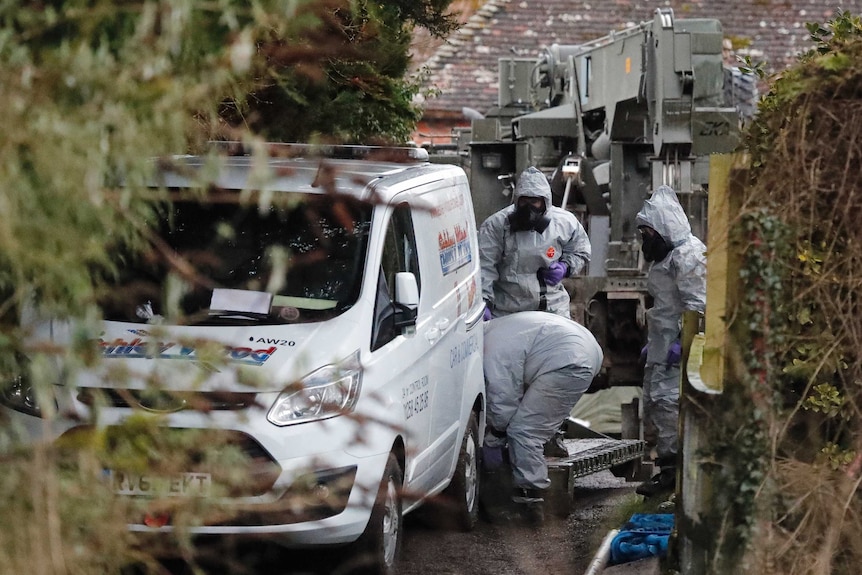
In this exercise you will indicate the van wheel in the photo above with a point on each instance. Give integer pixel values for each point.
(378, 549)
(463, 491)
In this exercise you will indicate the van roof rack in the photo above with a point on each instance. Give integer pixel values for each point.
(399, 154)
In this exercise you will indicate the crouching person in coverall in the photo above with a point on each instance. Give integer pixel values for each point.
(677, 283)
(537, 366)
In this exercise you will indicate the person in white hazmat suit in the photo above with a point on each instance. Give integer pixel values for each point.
(537, 366)
(527, 248)
(677, 283)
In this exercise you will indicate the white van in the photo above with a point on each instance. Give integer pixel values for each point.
(330, 325)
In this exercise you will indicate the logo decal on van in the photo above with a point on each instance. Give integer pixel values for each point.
(471, 292)
(141, 349)
(269, 340)
(454, 249)
(454, 203)
(463, 350)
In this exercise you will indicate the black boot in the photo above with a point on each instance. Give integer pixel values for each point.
(530, 504)
(661, 483)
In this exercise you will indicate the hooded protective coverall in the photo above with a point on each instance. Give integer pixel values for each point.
(511, 260)
(677, 283)
(537, 366)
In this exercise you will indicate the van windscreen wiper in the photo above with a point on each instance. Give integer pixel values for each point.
(243, 315)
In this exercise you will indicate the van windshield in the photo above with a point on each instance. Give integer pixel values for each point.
(298, 259)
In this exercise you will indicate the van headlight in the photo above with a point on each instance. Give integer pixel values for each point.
(19, 394)
(327, 392)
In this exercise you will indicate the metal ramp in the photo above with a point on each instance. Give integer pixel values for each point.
(589, 452)
(623, 457)
(587, 456)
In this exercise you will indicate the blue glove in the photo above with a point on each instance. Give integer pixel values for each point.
(554, 273)
(644, 351)
(674, 353)
(487, 315)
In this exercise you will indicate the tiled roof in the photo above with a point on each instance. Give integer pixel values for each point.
(464, 69)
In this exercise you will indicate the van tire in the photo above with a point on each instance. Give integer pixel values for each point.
(378, 549)
(463, 492)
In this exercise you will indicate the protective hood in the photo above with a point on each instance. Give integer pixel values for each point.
(663, 213)
(533, 184)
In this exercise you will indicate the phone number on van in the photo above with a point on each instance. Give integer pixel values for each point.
(418, 399)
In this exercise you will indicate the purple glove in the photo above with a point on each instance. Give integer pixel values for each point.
(487, 315)
(674, 353)
(492, 457)
(554, 273)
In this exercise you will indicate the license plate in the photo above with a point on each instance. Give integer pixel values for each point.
(181, 484)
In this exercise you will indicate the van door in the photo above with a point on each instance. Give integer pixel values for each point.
(449, 258)
(403, 361)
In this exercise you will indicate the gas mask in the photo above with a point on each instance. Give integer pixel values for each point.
(654, 247)
(529, 217)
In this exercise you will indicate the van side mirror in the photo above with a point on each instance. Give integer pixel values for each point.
(406, 302)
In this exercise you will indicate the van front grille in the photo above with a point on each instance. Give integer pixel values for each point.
(163, 401)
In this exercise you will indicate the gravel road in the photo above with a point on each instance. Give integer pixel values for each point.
(559, 546)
